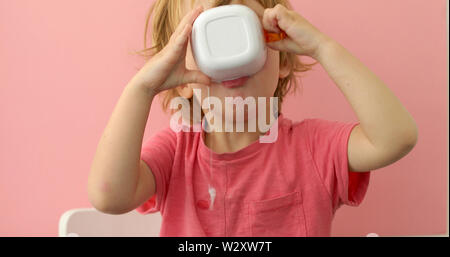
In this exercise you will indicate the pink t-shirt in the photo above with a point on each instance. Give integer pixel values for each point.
(291, 187)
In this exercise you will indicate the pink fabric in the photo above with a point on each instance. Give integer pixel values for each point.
(291, 187)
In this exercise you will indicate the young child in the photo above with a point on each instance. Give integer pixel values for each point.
(229, 183)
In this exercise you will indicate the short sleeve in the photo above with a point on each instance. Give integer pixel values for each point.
(328, 143)
(158, 153)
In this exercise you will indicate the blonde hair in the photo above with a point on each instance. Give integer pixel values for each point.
(166, 16)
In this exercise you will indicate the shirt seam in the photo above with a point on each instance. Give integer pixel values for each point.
(159, 188)
(345, 188)
(316, 169)
(225, 198)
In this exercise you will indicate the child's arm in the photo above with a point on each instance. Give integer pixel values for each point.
(387, 132)
(119, 180)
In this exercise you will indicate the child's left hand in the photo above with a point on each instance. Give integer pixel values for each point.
(302, 37)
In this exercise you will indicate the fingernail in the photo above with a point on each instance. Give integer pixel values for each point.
(196, 9)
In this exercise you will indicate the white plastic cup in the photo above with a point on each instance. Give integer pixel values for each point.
(228, 42)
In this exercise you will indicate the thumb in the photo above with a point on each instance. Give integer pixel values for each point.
(277, 18)
(195, 76)
(285, 45)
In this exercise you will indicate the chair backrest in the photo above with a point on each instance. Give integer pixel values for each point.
(90, 222)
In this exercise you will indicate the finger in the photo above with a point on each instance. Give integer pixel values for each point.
(195, 76)
(279, 18)
(180, 43)
(177, 47)
(269, 20)
(182, 24)
(286, 45)
(188, 19)
(197, 11)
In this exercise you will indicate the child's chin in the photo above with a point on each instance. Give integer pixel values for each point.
(243, 116)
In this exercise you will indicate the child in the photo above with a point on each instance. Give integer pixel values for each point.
(229, 183)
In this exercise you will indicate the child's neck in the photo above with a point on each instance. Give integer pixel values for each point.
(228, 142)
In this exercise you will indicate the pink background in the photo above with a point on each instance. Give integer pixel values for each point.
(63, 65)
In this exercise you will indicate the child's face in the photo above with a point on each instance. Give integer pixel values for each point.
(261, 84)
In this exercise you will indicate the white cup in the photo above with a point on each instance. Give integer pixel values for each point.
(228, 42)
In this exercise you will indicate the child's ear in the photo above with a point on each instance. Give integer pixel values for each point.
(284, 71)
(185, 91)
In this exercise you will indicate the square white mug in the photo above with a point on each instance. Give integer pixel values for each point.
(228, 42)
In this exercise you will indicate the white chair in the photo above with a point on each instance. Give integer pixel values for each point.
(88, 222)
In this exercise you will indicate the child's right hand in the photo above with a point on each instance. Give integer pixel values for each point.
(167, 69)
